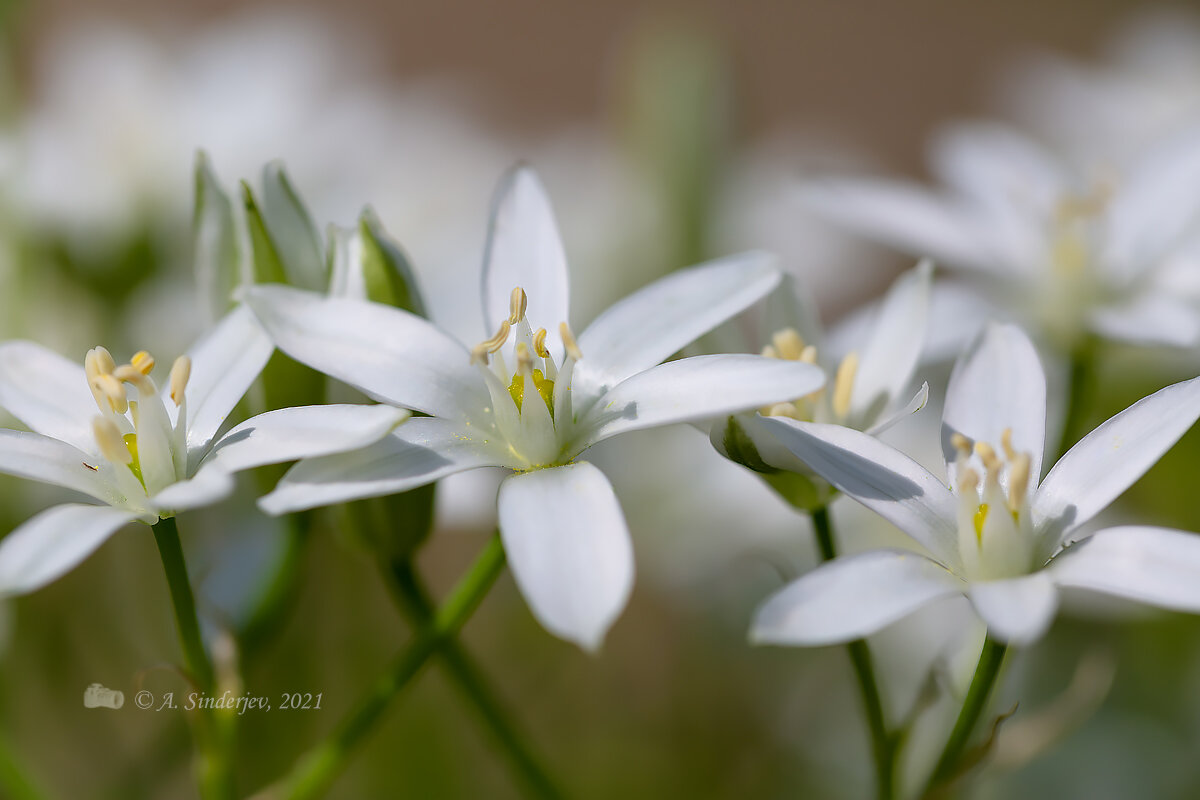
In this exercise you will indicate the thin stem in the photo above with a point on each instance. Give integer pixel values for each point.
(166, 536)
(1081, 380)
(883, 744)
(317, 769)
(214, 735)
(414, 602)
(986, 671)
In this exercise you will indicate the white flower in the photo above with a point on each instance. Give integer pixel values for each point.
(530, 400)
(1069, 253)
(107, 431)
(995, 535)
(868, 379)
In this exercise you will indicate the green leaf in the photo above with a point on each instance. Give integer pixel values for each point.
(387, 272)
(216, 255)
(291, 230)
(267, 265)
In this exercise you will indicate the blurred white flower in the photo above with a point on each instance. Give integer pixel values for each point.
(1066, 252)
(150, 456)
(868, 381)
(1002, 539)
(532, 408)
(1145, 85)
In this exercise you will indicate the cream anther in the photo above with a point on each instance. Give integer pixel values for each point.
(181, 370)
(1007, 445)
(518, 302)
(961, 443)
(987, 454)
(808, 355)
(142, 361)
(112, 445)
(98, 361)
(127, 373)
(783, 410)
(572, 347)
(539, 343)
(968, 481)
(1018, 480)
(112, 391)
(479, 352)
(843, 384)
(788, 344)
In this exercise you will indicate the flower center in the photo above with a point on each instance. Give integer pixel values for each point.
(137, 433)
(533, 430)
(819, 406)
(994, 530)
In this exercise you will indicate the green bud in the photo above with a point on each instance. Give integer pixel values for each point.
(290, 228)
(216, 255)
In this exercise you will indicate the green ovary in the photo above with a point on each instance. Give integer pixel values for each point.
(135, 466)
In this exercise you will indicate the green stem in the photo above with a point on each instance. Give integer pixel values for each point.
(1081, 380)
(166, 536)
(414, 602)
(986, 671)
(213, 735)
(883, 744)
(317, 769)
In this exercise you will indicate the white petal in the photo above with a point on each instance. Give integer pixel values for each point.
(1156, 203)
(693, 389)
(48, 393)
(998, 383)
(652, 324)
(54, 542)
(418, 452)
(569, 549)
(852, 597)
(888, 358)
(880, 477)
(1152, 565)
(290, 434)
(1017, 610)
(1150, 319)
(1108, 460)
(901, 215)
(524, 249)
(208, 486)
(998, 166)
(40, 458)
(389, 354)
(224, 364)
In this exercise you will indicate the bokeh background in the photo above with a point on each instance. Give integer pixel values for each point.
(666, 134)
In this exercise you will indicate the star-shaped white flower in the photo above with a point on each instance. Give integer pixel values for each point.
(107, 431)
(1066, 251)
(530, 399)
(995, 534)
(873, 367)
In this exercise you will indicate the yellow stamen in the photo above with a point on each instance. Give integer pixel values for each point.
(112, 445)
(181, 370)
(518, 302)
(769, 351)
(1007, 445)
(961, 443)
(539, 343)
(968, 481)
(808, 355)
(572, 348)
(789, 344)
(479, 352)
(843, 384)
(142, 361)
(525, 371)
(783, 410)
